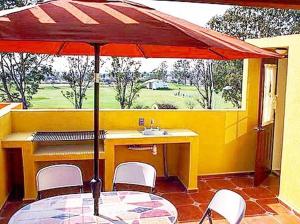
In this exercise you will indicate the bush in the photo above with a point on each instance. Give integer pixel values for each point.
(163, 88)
(140, 106)
(165, 106)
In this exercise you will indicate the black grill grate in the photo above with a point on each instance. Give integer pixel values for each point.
(66, 136)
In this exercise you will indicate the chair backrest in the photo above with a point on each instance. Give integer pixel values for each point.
(58, 176)
(228, 204)
(135, 173)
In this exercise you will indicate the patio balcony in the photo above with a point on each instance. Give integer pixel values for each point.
(221, 154)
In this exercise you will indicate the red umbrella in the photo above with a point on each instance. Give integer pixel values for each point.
(67, 27)
(70, 27)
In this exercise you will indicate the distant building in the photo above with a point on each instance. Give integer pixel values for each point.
(156, 84)
(105, 79)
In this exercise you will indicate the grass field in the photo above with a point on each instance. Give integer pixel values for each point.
(50, 96)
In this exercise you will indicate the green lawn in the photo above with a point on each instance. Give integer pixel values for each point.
(50, 96)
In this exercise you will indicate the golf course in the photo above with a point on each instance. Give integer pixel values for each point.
(183, 97)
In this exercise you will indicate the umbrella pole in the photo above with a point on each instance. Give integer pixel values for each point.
(96, 183)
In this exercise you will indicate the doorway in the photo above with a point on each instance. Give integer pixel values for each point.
(270, 119)
(279, 116)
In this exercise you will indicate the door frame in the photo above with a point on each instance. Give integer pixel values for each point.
(259, 175)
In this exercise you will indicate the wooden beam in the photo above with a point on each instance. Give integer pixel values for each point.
(283, 4)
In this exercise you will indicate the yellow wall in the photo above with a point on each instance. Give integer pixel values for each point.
(290, 167)
(279, 114)
(226, 138)
(5, 128)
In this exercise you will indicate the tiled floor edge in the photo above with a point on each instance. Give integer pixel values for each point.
(227, 174)
(4, 203)
(297, 213)
(178, 178)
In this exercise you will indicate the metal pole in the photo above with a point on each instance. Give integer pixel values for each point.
(96, 183)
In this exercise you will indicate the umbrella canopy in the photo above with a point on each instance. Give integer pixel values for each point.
(66, 27)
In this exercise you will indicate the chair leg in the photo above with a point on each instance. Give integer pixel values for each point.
(207, 213)
(209, 217)
(151, 190)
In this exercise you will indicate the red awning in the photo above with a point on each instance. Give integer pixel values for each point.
(69, 27)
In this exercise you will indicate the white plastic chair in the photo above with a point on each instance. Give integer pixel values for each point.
(228, 204)
(135, 173)
(58, 176)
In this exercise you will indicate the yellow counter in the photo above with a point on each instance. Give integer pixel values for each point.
(182, 142)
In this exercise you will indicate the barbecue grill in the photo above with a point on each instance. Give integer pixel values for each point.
(66, 136)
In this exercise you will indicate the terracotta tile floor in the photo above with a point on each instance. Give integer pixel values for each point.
(263, 207)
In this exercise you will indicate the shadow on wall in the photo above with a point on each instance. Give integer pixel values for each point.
(236, 125)
(239, 141)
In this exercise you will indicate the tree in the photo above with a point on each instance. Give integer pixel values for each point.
(161, 71)
(202, 79)
(20, 76)
(246, 23)
(181, 70)
(126, 75)
(8, 4)
(228, 80)
(79, 77)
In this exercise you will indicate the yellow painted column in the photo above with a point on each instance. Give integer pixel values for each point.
(289, 178)
(188, 164)
(109, 164)
(29, 172)
(193, 169)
